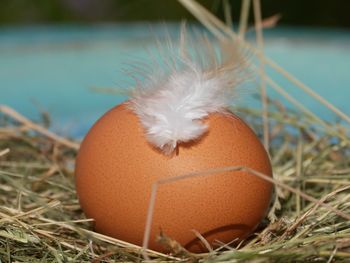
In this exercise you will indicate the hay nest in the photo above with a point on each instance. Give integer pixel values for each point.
(41, 220)
(309, 220)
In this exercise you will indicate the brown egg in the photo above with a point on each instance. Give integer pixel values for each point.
(116, 167)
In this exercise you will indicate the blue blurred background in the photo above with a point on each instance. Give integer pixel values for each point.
(55, 54)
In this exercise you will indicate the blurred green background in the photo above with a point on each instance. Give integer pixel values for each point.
(333, 13)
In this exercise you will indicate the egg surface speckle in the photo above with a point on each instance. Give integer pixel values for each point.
(116, 167)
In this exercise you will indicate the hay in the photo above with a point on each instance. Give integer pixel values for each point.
(41, 221)
(40, 218)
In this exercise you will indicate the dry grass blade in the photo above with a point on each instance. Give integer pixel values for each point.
(227, 11)
(308, 90)
(264, 102)
(50, 224)
(4, 152)
(211, 172)
(32, 126)
(41, 220)
(243, 21)
(221, 31)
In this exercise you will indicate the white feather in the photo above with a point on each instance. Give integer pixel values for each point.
(172, 104)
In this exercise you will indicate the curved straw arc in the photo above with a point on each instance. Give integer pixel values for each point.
(214, 171)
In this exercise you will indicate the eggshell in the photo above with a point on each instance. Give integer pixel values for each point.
(116, 167)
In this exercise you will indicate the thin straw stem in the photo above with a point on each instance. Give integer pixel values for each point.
(31, 125)
(156, 184)
(227, 13)
(196, 12)
(305, 110)
(295, 102)
(203, 14)
(4, 152)
(308, 90)
(243, 21)
(260, 43)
